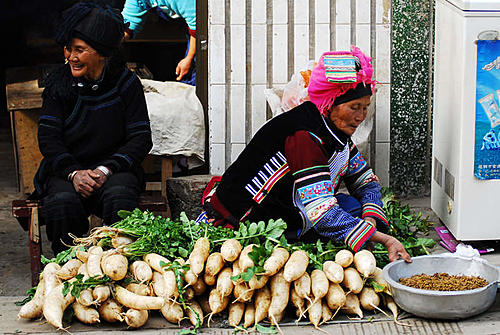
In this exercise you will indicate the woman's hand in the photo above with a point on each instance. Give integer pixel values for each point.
(396, 250)
(99, 177)
(394, 247)
(183, 68)
(84, 183)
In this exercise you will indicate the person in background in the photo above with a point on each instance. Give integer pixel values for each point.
(293, 166)
(134, 12)
(93, 130)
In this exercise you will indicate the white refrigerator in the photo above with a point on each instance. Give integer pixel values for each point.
(468, 206)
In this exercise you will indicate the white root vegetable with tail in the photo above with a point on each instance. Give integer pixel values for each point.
(34, 308)
(365, 263)
(296, 265)
(135, 301)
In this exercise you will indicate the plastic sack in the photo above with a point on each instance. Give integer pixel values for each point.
(177, 120)
(292, 94)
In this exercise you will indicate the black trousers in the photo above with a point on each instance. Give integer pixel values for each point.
(65, 211)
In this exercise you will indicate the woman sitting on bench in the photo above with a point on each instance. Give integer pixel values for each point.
(94, 128)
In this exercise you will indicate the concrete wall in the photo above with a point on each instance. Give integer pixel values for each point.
(257, 44)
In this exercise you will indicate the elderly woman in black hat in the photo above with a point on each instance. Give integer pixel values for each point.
(94, 128)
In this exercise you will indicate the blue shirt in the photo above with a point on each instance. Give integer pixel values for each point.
(134, 11)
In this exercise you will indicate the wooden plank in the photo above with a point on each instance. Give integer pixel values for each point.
(29, 156)
(26, 95)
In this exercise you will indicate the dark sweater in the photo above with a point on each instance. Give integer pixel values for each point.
(82, 128)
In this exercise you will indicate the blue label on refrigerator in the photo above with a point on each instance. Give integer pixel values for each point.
(487, 135)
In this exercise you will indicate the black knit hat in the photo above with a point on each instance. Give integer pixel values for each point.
(359, 91)
(100, 26)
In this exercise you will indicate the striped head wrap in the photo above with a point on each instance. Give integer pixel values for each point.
(339, 77)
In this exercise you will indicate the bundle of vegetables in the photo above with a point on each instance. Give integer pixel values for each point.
(184, 270)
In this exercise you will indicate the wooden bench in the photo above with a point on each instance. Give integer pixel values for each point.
(27, 213)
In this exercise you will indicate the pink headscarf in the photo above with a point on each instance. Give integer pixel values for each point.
(323, 92)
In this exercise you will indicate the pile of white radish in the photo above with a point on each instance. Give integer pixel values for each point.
(205, 285)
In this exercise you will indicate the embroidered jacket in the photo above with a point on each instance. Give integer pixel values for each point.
(292, 169)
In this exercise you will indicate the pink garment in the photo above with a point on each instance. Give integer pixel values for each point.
(323, 93)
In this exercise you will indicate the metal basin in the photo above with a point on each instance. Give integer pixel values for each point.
(450, 305)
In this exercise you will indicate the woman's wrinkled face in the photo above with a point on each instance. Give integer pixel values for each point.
(349, 115)
(84, 60)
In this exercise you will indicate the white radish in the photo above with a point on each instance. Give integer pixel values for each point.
(69, 270)
(280, 294)
(195, 313)
(236, 311)
(33, 308)
(188, 294)
(344, 258)
(369, 299)
(296, 265)
(258, 281)
(140, 289)
(135, 301)
(141, 271)
(171, 288)
(245, 261)
(199, 255)
(115, 266)
(335, 298)
(155, 261)
(352, 280)
(224, 283)
(214, 264)
(333, 271)
(172, 312)
(87, 315)
(85, 299)
(110, 311)
(120, 241)
(299, 304)
(382, 285)
(136, 318)
(209, 279)
(365, 262)
(159, 285)
(237, 271)
(190, 277)
(217, 302)
(55, 304)
(315, 310)
(100, 294)
(50, 277)
(242, 292)
(82, 255)
(262, 303)
(230, 250)
(94, 262)
(302, 286)
(249, 318)
(351, 305)
(199, 287)
(276, 261)
(319, 284)
(327, 313)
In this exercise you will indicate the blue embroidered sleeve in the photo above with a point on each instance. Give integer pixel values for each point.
(363, 184)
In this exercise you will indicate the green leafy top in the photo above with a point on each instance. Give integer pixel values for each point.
(62, 257)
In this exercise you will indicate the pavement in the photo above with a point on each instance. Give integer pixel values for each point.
(15, 280)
